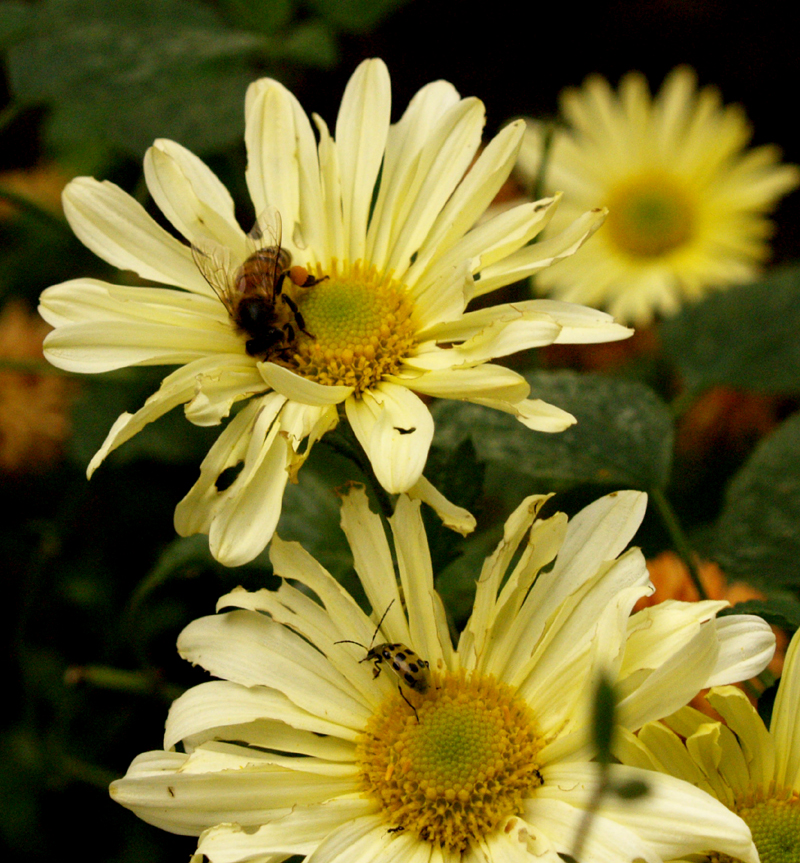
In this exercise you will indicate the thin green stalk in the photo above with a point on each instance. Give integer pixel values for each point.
(122, 680)
(678, 537)
(346, 445)
(9, 114)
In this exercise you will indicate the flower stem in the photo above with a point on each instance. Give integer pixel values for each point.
(344, 442)
(679, 539)
(122, 680)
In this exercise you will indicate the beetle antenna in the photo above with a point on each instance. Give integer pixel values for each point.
(380, 622)
(347, 641)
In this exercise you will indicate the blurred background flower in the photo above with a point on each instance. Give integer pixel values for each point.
(686, 200)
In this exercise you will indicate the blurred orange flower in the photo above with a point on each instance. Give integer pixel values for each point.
(34, 420)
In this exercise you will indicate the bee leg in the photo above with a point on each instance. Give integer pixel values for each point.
(311, 281)
(297, 315)
(279, 284)
(402, 695)
(289, 330)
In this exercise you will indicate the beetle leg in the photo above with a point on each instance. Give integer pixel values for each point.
(402, 695)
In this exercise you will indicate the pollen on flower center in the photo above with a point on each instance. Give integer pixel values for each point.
(775, 825)
(358, 328)
(649, 216)
(452, 772)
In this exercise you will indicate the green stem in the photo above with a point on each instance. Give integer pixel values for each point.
(91, 774)
(9, 114)
(345, 444)
(679, 539)
(602, 788)
(120, 680)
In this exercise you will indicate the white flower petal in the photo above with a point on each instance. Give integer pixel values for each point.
(220, 703)
(757, 743)
(271, 137)
(532, 259)
(116, 227)
(454, 517)
(437, 170)
(299, 832)
(674, 818)
(191, 197)
(605, 841)
(427, 622)
(661, 684)
(362, 840)
(372, 559)
(101, 327)
(301, 389)
(361, 130)
(403, 144)
(533, 413)
(241, 646)
(208, 387)
(160, 790)
(784, 720)
(746, 646)
(244, 514)
(469, 201)
(395, 428)
(484, 381)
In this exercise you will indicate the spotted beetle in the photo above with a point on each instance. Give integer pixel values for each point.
(410, 669)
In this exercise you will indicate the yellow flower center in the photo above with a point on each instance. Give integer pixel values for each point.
(650, 216)
(451, 773)
(359, 326)
(775, 825)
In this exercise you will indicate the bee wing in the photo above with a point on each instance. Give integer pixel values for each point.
(266, 236)
(268, 229)
(215, 265)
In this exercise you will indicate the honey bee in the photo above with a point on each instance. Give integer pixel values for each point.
(256, 294)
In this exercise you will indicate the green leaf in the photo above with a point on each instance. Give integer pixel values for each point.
(15, 20)
(757, 536)
(743, 337)
(356, 16)
(782, 611)
(263, 16)
(133, 70)
(623, 436)
(311, 44)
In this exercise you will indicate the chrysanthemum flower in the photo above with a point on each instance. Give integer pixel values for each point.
(754, 772)
(686, 201)
(385, 217)
(301, 749)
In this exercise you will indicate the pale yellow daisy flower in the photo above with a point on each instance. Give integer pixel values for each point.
(753, 771)
(307, 745)
(686, 199)
(384, 216)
